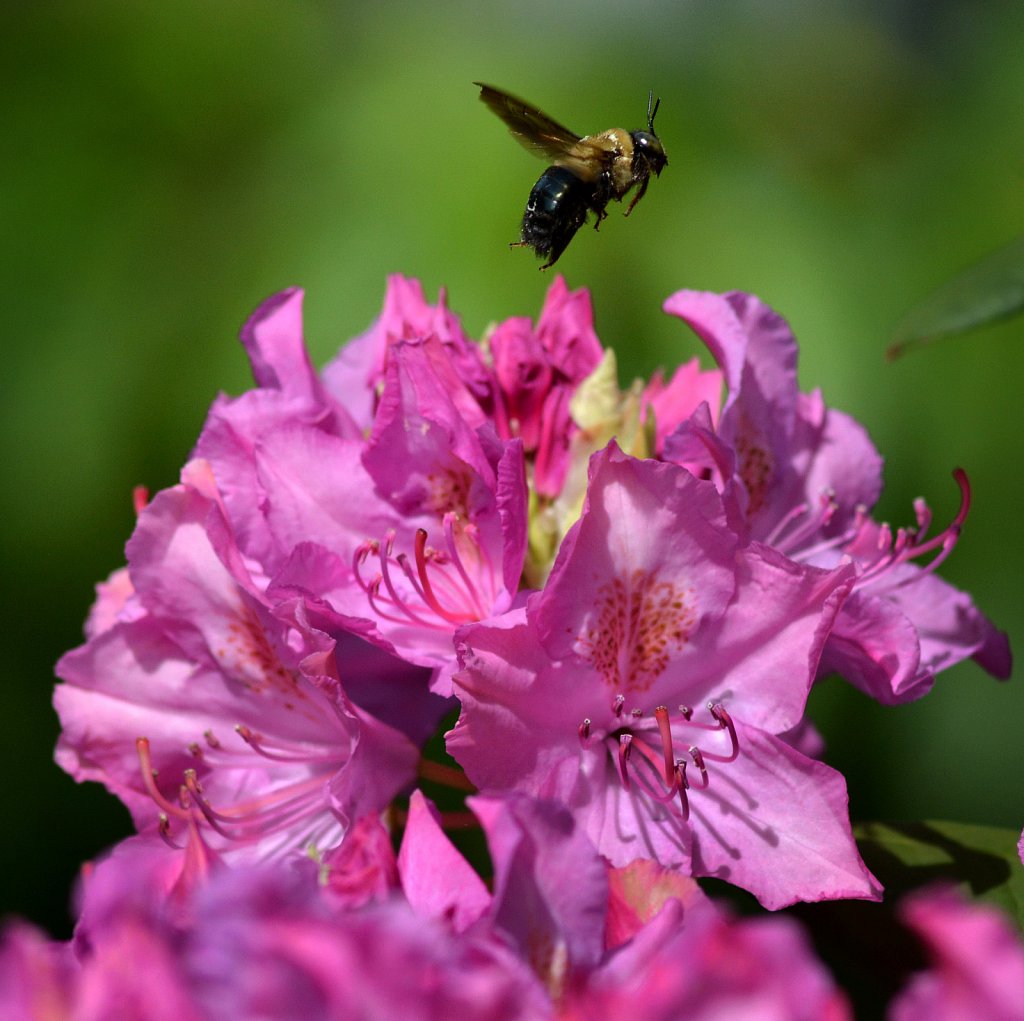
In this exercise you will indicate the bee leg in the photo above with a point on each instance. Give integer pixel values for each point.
(638, 196)
(519, 244)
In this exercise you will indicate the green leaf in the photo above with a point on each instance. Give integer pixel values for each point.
(990, 290)
(981, 860)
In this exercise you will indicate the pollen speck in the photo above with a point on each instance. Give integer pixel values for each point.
(448, 490)
(639, 622)
(755, 463)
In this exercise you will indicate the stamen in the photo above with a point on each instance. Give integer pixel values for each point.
(259, 744)
(725, 721)
(439, 579)
(658, 772)
(625, 743)
(664, 728)
(453, 551)
(617, 704)
(698, 761)
(910, 545)
(682, 785)
(584, 732)
(164, 829)
(149, 775)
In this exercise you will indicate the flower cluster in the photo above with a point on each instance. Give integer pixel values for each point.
(616, 599)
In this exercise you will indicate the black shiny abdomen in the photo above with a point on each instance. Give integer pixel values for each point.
(556, 209)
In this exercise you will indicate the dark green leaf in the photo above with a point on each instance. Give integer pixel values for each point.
(982, 860)
(990, 290)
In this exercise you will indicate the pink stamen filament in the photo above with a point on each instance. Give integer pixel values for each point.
(149, 781)
(471, 532)
(625, 743)
(725, 722)
(811, 524)
(428, 592)
(254, 819)
(439, 579)
(840, 541)
(909, 545)
(259, 744)
(657, 771)
(247, 820)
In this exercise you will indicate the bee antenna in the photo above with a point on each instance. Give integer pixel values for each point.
(651, 114)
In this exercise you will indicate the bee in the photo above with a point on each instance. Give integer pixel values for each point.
(585, 173)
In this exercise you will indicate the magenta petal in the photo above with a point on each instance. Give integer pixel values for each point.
(978, 969)
(875, 647)
(780, 828)
(709, 966)
(566, 331)
(273, 339)
(767, 646)
(437, 881)
(512, 497)
(651, 537)
(37, 975)
(550, 885)
(753, 345)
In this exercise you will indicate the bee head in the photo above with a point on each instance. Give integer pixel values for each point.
(646, 144)
(647, 147)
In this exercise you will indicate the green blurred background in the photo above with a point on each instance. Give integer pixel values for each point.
(166, 166)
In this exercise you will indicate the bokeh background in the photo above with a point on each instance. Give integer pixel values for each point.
(166, 166)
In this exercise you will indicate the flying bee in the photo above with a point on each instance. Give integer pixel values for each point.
(585, 175)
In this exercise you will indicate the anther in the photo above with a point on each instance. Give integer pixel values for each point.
(164, 829)
(698, 761)
(618, 704)
(717, 710)
(584, 731)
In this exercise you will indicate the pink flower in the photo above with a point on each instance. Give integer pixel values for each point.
(711, 967)
(237, 701)
(653, 603)
(978, 962)
(538, 369)
(400, 538)
(261, 943)
(803, 478)
(37, 976)
(269, 946)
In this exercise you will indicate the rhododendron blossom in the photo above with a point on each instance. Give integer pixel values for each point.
(646, 687)
(608, 604)
(804, 477)
(206, 706)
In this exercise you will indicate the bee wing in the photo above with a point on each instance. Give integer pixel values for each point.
(534, 131)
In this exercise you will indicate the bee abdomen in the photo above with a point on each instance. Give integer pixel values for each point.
(556, 209)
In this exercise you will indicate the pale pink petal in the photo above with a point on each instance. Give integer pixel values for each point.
(436, 879)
